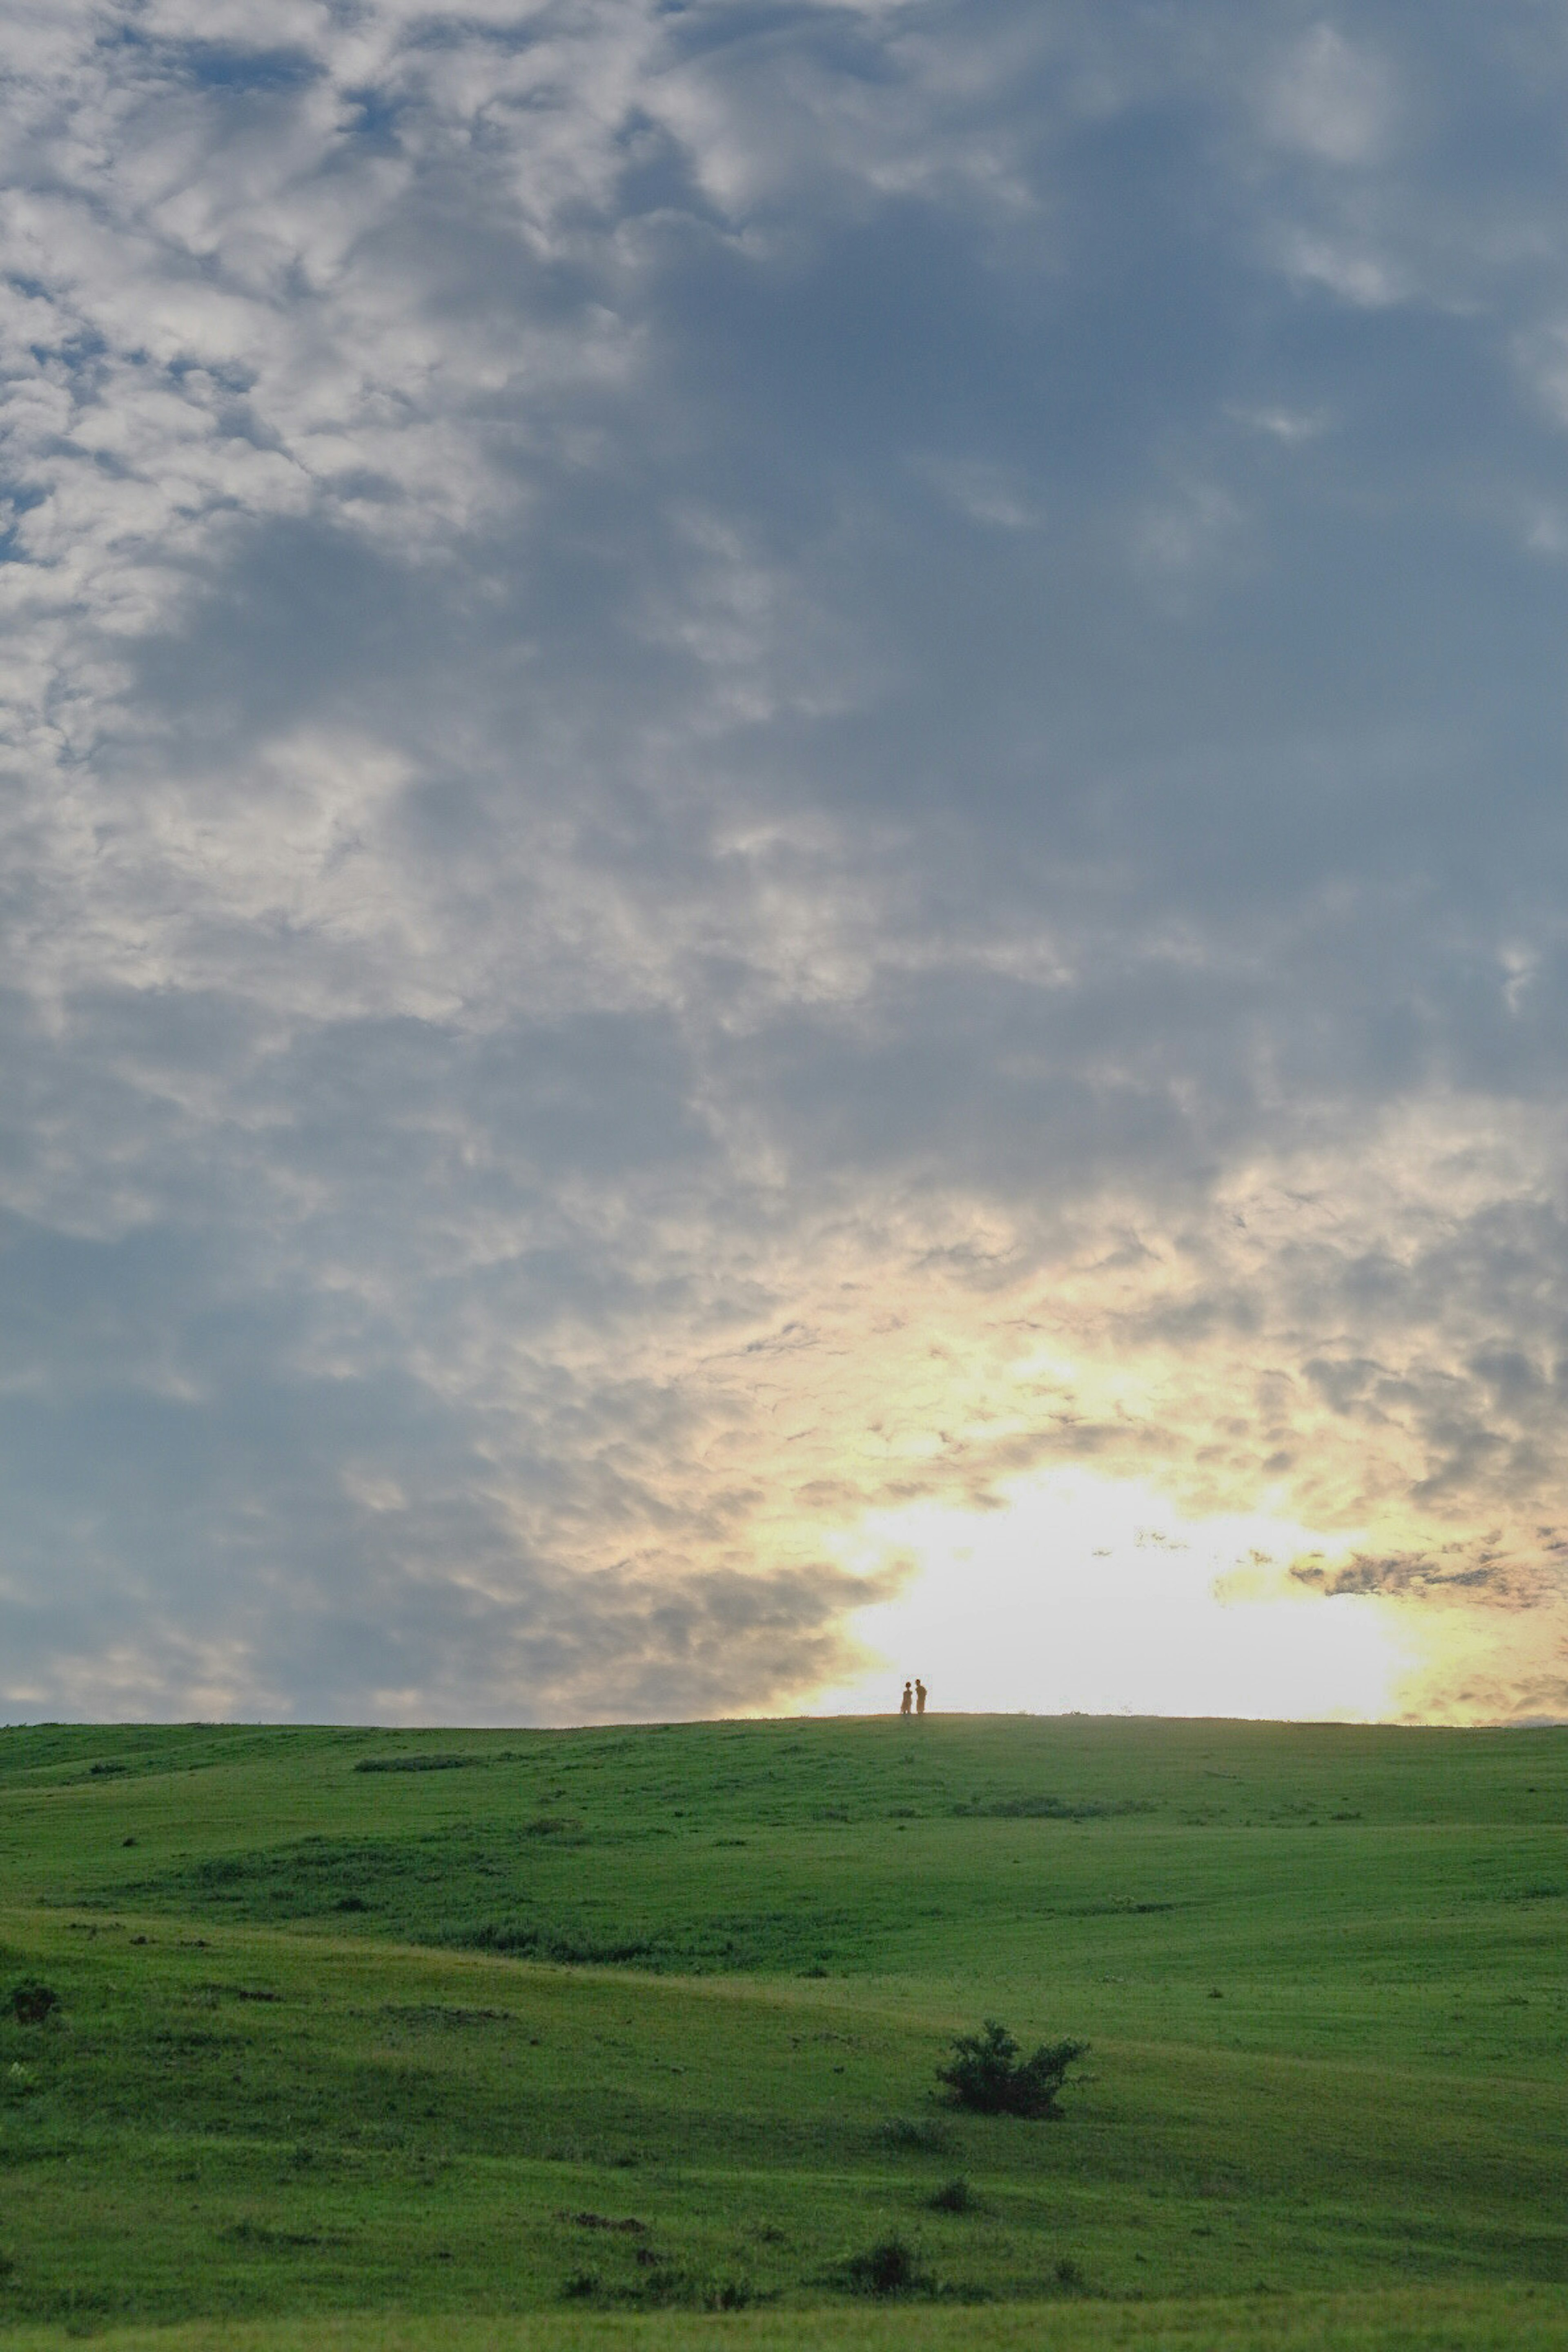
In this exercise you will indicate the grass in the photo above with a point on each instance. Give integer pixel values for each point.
(1495, 2320)
(630, 2037)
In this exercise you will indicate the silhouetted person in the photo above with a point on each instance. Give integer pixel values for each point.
(919, 1697)
(904, 1701)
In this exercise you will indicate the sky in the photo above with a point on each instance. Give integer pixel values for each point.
(785, 857)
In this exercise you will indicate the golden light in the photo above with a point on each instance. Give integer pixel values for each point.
(1081, 1592)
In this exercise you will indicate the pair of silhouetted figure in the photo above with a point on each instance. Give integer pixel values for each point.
(918, 1698)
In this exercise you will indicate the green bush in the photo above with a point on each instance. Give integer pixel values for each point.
(886, 2268)
(731, 2294)
(952, 2196)
(987, 2075)
(31, 2003)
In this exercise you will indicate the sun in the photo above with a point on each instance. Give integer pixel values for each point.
(1066, 1592)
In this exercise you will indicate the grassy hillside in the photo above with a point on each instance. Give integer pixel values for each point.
(605, 2025)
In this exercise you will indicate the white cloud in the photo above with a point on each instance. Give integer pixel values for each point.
(986, 493)
(1331, 99)
(1345, 266)
(1288, 425)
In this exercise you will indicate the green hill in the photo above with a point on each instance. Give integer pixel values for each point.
(614, 2028)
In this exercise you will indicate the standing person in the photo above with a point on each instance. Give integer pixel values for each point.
(904, 1701)
(919, 1697)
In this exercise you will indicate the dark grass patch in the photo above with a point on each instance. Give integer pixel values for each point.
(732, 2295)
(889, 2268)
(477, 1888)
(444, 2013)
(264, 2237)
(532, 1939)
(915, 2136)
(31, 2003)
(1121, 1907)
(1034, 1807)
(770, 1942)
(660, 2284)
(441, 1759)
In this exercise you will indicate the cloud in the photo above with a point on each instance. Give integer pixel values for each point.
(722, 811)
(1331, 99)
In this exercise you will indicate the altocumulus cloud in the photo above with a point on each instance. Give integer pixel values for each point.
(760, 762)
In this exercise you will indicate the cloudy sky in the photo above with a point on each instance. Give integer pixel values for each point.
(784, 856)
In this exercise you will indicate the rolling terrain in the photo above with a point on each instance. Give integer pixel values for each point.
(627, 2037)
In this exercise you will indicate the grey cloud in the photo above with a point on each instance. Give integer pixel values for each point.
(676, 674)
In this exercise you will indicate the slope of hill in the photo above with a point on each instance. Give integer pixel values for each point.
(616, 2027)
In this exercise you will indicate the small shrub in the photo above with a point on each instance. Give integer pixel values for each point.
(886, 2268)
(987, 2075)
(32, 2002)
(526, 1941)
(1069, 2275)
(952, 2196)
(731, 2294)
(580, 2286)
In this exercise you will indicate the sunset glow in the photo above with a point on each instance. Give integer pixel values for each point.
(1080, 1594)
